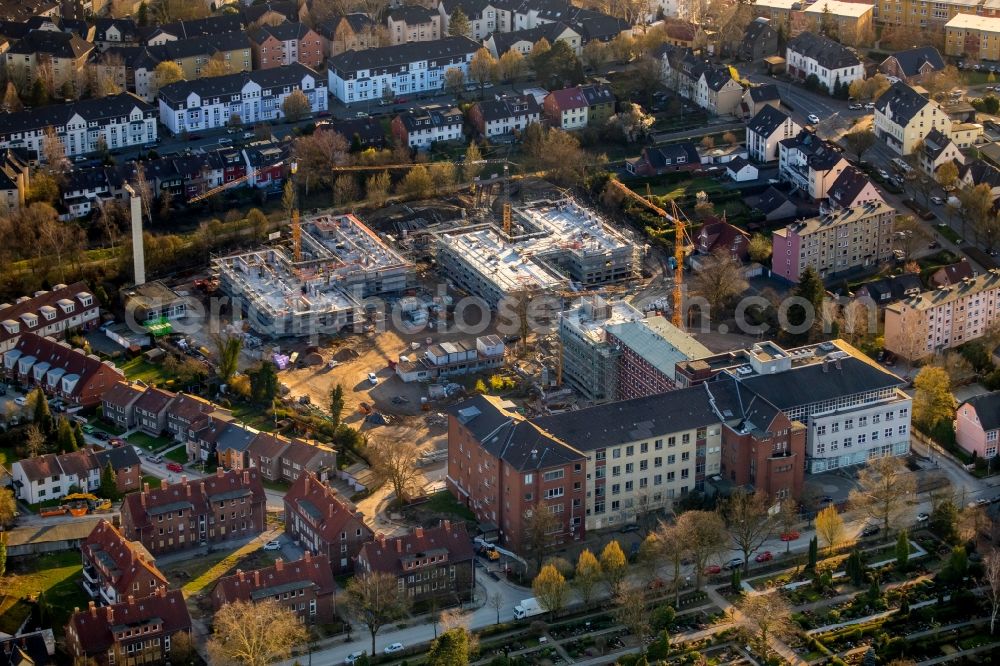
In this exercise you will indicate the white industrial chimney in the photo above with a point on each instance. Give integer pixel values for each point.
(138, 252)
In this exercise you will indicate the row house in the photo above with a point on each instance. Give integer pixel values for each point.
(504, 115)
(15, 179)
(151, 411)
(413, 23)
(118, 403)
(810, 164)
(62, 55)
(323, 522)
(977, 425)
(523, 41)
(134, 631)
(607, 465)
(658, 160)
(430, 564)
(117, 121)
(711, 87)
(285, 43)
(203, 27)
(944, 318)
(86, 190)
(579, 106)
(833, 65)
(50, 313)
(255, 97)
(766, 130)
(423, 126)
(115, 568)
(414, 67)
(491, 16)
(222, 438)
(286, 459)
(834, 242)
(182, 516)
(305, 587)
(51, 476)
(189, 413)
(59, 370)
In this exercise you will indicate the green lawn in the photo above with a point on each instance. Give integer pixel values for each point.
(153, 481)
(177, 455)
(444, 502)
(142, 370)
(52, 577)
(147, 442)
(280, 486)
(690, 187)
(254, 416)
(949, 233)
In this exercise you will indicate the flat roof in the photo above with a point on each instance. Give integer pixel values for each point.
(974, 22)
(840, 8)
(833, 220)
(777, 4)
(510, 266)
(590, 320)
(659, 342)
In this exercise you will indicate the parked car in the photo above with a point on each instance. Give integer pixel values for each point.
(20, 401)
(923, 517)
(394, 648)
(631, 527)
(354, 657)
(855, 107)
(937, 201)
(790, 536)
(712, 569)
(766, 556)
(272, 545)
(372, 378)
(175, 467)
(870, 530)
(733, 563)
(870, 106)
(813, 118)
(156, 459)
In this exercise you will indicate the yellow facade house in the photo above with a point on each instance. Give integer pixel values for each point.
(922, 13)
(974, 37)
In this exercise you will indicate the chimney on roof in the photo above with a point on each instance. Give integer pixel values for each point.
(256, 578)
(202, 484)
(826, 365)
(447, 525)
(333, 509)
(111, 614)
(164, 484)
(419, 532)
(242, 576)
(131, 600)
(307, 556)
(145, 487)
(184, 478)
(93, 609)
(838, 364)
(399, 545)
(187, 488)
(279, 564)
(162, 591)
(246, 477)
(381, 539)
(219, 472)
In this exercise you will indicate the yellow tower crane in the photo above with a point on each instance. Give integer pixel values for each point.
(680, 235)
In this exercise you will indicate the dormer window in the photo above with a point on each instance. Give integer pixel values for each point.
(86, 300)
(30, 319)
(48, 312)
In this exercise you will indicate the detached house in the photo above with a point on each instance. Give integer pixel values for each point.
(178, 517)
(51, 476)
(978, 172)
(760, 40)
(952, 274)
(977, 425)
(658, 160)
(132, 631)
(429, 563)
(49, 314)
(832, 63)
(424, 126)
(903, 117)
(766, 130)
(305, 587)
(810, 164)
(566, 108)
(60, 370)
(115, 568)
(505, 114)
(938, 149)
(322, 522)
(912, 65)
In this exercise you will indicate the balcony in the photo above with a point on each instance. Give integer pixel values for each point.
(90, 575)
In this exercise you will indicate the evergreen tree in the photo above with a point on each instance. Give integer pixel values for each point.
(65, 439)
(811, 289)
(874, 593)
(336, 403)
(869, 659)
(734, 580)
(3, 557)
(81, 441)
(41, 416)
(813, 553)
(142, 16)
(264, 383)
(855, 568)
(903, 550)
(109, 483)
(458, 24)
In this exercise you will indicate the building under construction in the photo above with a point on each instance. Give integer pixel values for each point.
(552, 245)
(341, 262)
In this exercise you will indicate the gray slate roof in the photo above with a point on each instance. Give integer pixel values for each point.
(847, 186)
(286, 75)
(767, 121)
(987, 408)
(57, 115)
(901, 103)
(912, 60)
(440, 52)
(826, 52)
(765, 93)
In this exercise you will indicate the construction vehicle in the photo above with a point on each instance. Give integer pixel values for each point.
(681, 239)
(78, 504)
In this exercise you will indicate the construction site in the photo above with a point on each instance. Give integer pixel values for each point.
(335, 263)
(547, 245)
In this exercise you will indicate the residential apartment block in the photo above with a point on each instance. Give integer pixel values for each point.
(810, 164)
(522, 41)
(134, 631)
(178, 517)
(187, 106)
(423, 126)
(286, 43)
(504, 115)
(404, 69)
(811, 54)
(15, 179)
(977, 425)
(854, 21)
(60, 370)
(834, 242)
(62, 54)
(853, 410)
(903, 117)
(53, 476)
(321, 521)
(413, 23)
(305, 587)
(766, 130)
(456, 357)
(49, 314)
(116, 121)
(115, 568)
(943, 318)
(350, 32)
(429, 563)
(933, 14)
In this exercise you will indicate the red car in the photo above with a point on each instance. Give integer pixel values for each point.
(766, 556)
(790, 536)
(175, 467)
(712, 569)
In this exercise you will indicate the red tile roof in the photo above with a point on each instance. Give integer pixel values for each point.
(263, 583)
(330, 512)
(50, 299)
(94, 627)
(190, 408)
(129, 558)
(303, 452)
(267, 445)
(569, 98)
(392, 555)
(41, 467)
(154, 400)
(60, 355)
(196, 494)
(122, 394)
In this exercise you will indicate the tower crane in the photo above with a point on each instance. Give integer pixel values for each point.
(680, 234)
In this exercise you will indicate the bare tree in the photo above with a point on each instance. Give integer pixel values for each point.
(539, 528)
(991, 581)
(765, 617)
(497, 602)
(719, 280)
(631, 611)
(374, 599)
(395, 462)
(884, 485)
(748, 521)
(255, 634)
(706, 535)
(674, 549)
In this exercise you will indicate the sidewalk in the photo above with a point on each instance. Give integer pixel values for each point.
(777, 645)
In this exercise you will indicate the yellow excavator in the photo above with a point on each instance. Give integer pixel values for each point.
(78, 504)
